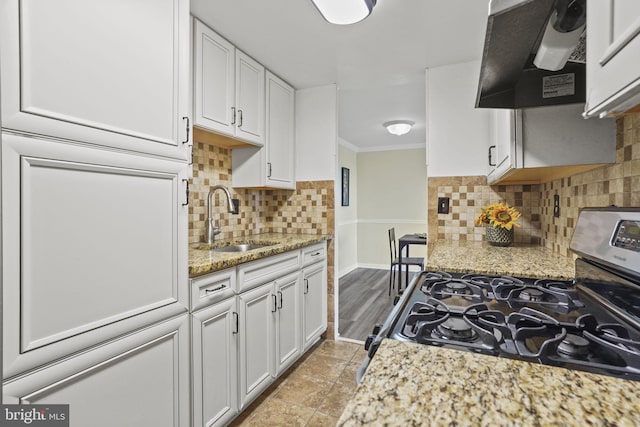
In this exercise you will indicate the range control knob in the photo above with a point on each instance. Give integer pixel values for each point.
(370, 338)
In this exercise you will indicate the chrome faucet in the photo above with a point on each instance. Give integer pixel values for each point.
(212, 230)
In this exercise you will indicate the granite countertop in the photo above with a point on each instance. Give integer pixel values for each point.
(412, 384)
(518, 260)
(202, 260)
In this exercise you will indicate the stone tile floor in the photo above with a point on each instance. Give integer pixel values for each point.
(313, 392)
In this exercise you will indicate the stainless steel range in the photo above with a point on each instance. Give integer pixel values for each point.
(591, 323)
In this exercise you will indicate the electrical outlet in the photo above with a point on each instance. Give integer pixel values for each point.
(556, 206)
(443, 205)
(236, 205)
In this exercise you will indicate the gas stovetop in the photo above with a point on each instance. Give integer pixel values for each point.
(591, 323)
(545, 321)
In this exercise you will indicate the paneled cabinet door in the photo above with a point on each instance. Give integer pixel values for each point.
(228, 88)
(107, 73)
(271, 166)
(94, 246)
(502, 139)
(215, 364)
(257, 308)
(249, 99)
(214, 81)
(140, 380)
(613, 49)
(288, 345)
(314, 302)
(280, 132)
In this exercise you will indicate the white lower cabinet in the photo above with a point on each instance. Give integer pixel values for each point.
(287, 322)
(257, 340)
(215, 363)
(140, 380)
(314, 298)
(242, 341)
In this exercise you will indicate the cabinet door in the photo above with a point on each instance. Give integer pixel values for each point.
(613, 49)
(108, 73)
(249, 99)
(503, 137)
(257, 309)
(314, 302)
(279, 141)
(215, 364)
(288, 346)
(94, 246)
(214, 81)
(139, 380)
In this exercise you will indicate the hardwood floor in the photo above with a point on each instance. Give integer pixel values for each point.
(363, 302)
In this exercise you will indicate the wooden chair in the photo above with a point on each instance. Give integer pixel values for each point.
(406, 261)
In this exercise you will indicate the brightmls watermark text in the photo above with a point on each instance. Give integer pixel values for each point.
(34, 415)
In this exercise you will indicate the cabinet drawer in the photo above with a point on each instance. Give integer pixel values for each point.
(212, 288)
(313, 254)
(153, 363)
(261, 271)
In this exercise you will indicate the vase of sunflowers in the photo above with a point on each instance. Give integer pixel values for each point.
(499, 220)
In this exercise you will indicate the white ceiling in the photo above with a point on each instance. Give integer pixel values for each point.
(378, 64)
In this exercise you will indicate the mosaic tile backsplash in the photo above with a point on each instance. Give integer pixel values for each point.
(308, 209)
(617, 184)
(467, 195)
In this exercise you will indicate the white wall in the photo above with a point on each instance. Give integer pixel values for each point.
(457, 133)
(392, 192)
(316, 133)
(347, 216)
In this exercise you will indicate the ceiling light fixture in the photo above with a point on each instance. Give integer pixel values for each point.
(343, 12)
(398, 127)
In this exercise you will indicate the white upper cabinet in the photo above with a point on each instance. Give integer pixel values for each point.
(613, 49)
(249, 99)
(273, 165)
(107, 73)
(228, 88)
(214, 67)
(502, 135)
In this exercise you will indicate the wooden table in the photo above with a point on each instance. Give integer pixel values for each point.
(404, 242)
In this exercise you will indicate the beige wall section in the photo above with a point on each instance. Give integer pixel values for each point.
(392, 192)
(347, 216)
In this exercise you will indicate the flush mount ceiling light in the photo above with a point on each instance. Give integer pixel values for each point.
(398, 127)
(343, 12)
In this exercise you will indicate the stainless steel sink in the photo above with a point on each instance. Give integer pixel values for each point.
(241, 248)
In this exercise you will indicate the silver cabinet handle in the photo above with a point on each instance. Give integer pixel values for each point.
(490, 158)
(233, 115)
(217, 288)
(306, 286)
(237, 322)
(280, 293)
(186, 203)
(240, 124)
(188, 128)
(316, 254)
(269, 170)
(275, 303)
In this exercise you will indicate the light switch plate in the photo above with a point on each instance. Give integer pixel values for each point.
(443, 205)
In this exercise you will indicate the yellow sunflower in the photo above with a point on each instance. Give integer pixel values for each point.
(499, 215)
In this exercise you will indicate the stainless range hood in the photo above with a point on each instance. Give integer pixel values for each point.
(515, 30)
